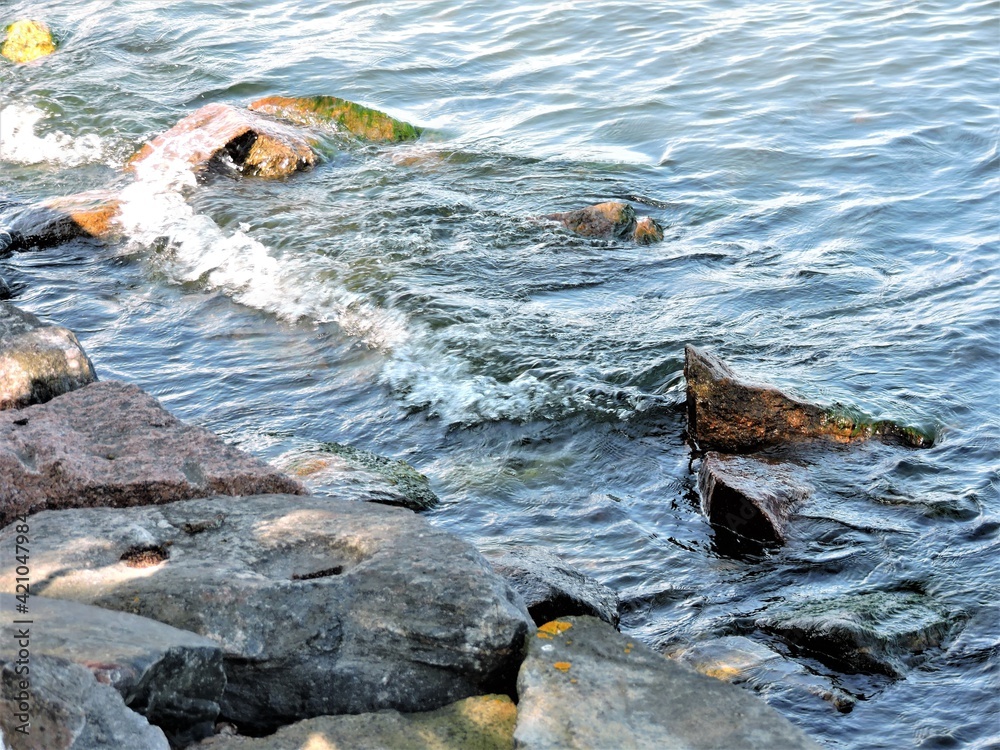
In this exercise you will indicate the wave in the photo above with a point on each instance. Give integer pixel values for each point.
(19, 143)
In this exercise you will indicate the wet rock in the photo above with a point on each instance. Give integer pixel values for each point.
(551, 588)
(173, 678)
(38, 362)
(586, 686)
(68, 709)
(613, 219)
(751, 497)
(256, 144)
(481, 723)
(27, 41)
(111, 444)
(877, 632)
(647, 231)
(322, 606)
(355, 119)
(731, 415)
(5, 290)
(57, 220)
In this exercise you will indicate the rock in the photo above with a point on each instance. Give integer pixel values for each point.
(56, 220)
(5, 290)
(647, 231)
(333, 469)
(68, 709)
(612, 219)
(38, 362)
(751, 497)
(27, 41)
(111, 444)
(586, 686)
(258, 145)
(732, 415)
(322, 606)
(551, 588)
(876, 632)
(482, 723)
(173, 678)
(357, 120)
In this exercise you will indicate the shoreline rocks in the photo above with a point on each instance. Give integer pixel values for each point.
(363, 122)
(27, 41)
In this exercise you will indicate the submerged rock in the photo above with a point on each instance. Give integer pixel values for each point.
(27, 41)
(38, 362)
(357, 120)
(877, 632)
(585, 686)
(411, 488)
(111, 444)
(751, 497)
(258, 145)
(68, 709)
(173, 678)
(322, 606)
(56, 220)
(481, 723)
(551, 588)
(728, 414)
(612, 219)
(647, 231)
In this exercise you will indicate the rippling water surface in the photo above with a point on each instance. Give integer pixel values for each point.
(828, 178)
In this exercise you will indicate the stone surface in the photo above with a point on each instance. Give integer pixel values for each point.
(56, 220)
(111, 444)
(355, 119)
(551, 588)
(38, 362)
(26, 41)
(647, 231)
(751, 497)
(481, 723)
(876, 632)
(5, 290)
(173, 678)
(585, 686)
(612, 219)
(732, 415)
(256, 144)
(322, 606)
(68, 709)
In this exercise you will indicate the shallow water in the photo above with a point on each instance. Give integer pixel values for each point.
(828, 179)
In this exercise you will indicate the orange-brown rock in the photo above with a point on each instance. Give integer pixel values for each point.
(27, 41)
(610, 219)
(260, 146)
(356, 119)
(55, 220)
(647, 231)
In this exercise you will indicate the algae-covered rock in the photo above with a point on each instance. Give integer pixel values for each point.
(732, 415)
(27, 41)
(356, 119)
(414, 489)
(481, 723)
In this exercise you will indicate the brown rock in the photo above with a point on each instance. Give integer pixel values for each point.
(611, 219)
(258, 145)
(27, 41)
(751, 497)
(56, 220)
(111, 444)
(732, 415)
(647, 231)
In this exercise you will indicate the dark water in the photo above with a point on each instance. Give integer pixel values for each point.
(828, 178)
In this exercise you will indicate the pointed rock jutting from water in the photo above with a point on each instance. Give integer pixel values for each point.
(27, 41)
(732, 415)
(363, 122)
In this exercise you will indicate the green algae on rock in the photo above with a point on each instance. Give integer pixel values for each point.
(414, 487)
(361, 121)
(27, 40)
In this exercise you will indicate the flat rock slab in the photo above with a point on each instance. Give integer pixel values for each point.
(344, 115)
(112, 444)
(67, 709)
(322, 606)
(585, 686)
(481, 723)
(551, 588)
(173, 678)
(752, 497)
(874, 632)
(258, 145)
(38, 361)
(729, 414)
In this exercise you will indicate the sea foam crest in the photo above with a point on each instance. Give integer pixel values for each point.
(19, 143)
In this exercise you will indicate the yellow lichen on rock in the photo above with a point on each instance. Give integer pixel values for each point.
(27, 41)
(562, 666)
(556, 627)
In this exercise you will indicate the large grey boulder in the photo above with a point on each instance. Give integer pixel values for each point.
(585, 686)
(38, 361)
(111, 443)
(172, 677)
(322, 606)
(482, 723)
(62, 706)
(551, 588)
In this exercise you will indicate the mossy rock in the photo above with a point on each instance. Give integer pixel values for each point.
(27, 41)
(412, 485)
(363, 122)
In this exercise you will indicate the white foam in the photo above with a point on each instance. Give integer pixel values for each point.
(20, 145)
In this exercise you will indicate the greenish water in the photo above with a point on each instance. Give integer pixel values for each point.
(828, 179)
